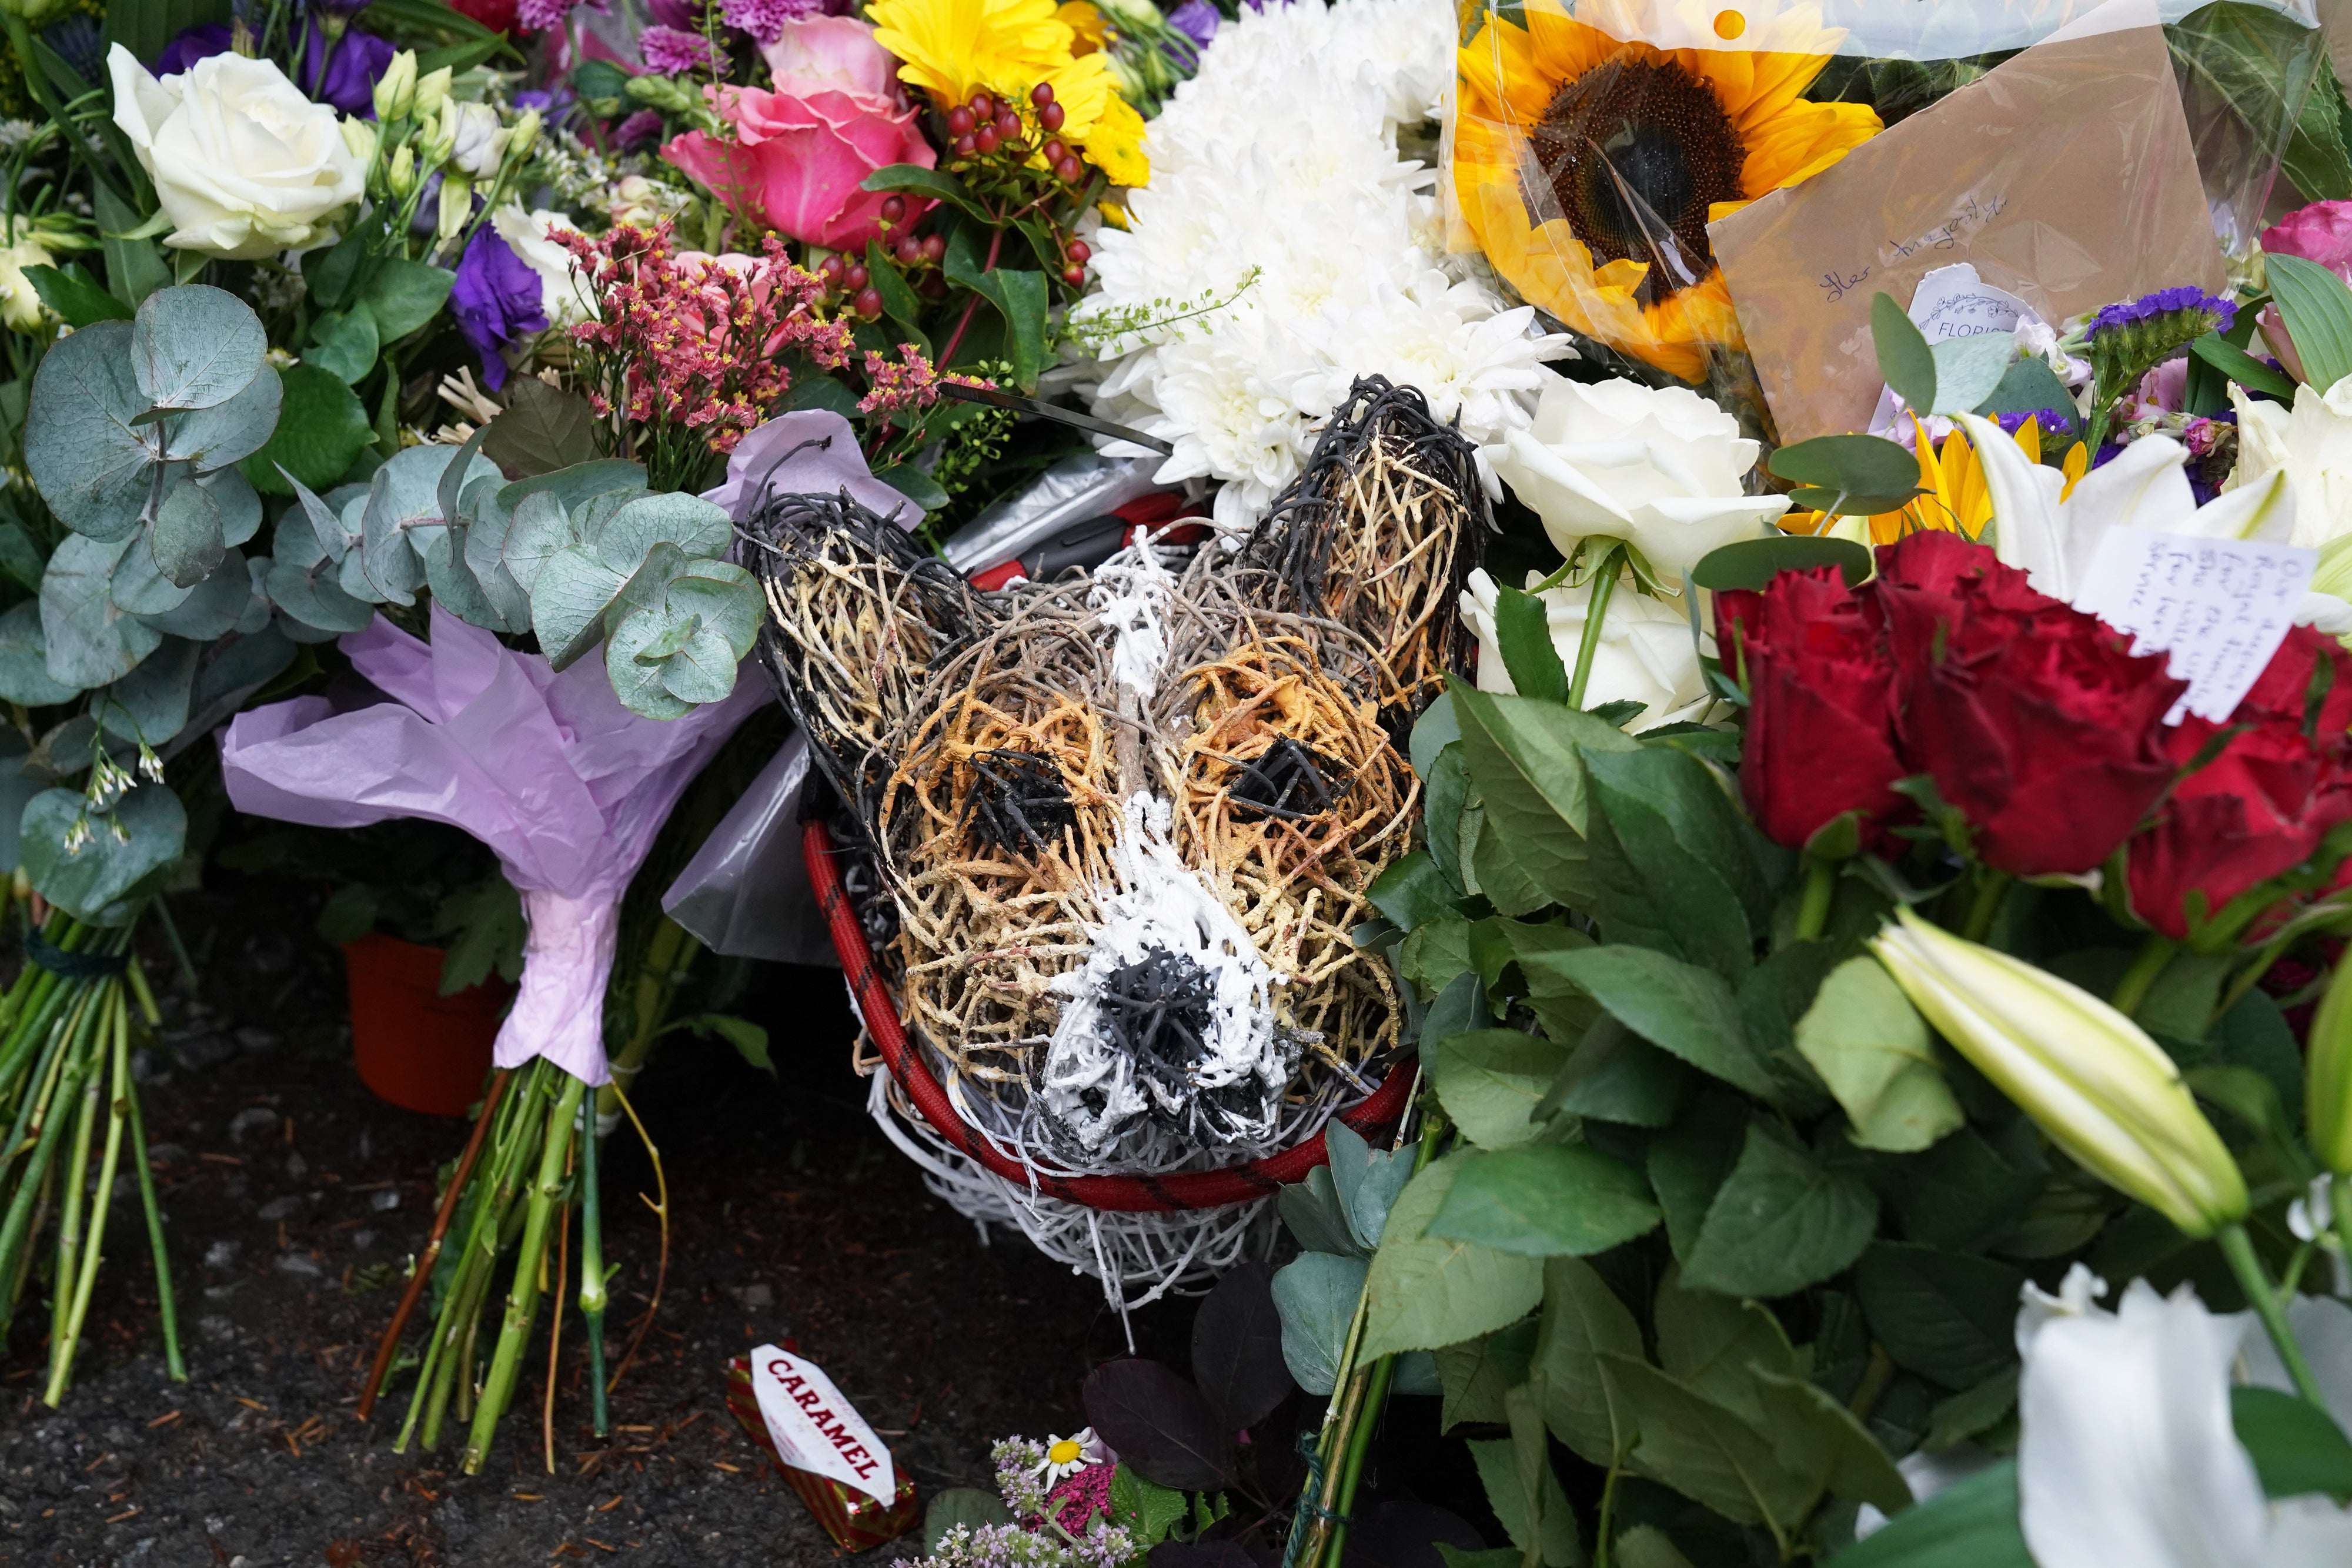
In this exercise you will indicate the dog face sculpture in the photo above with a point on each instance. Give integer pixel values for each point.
(1128, 820)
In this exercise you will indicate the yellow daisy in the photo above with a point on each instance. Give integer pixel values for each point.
(1955, 499)
(1630, 150)
(953, 48)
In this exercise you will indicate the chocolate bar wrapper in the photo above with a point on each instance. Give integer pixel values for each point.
(856, 1522)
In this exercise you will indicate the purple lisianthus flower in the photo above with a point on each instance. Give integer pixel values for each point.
(670, 51)
(191, 45)
(344, 74)
(1197, 20)
(496, 299)
(643, 126)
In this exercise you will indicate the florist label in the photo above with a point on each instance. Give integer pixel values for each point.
(814, 1429)
(2220, 607)
(2065, 177)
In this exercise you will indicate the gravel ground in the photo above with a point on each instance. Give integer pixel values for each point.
(295, 1197)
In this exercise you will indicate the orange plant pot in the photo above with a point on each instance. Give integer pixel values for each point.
(414, 1047)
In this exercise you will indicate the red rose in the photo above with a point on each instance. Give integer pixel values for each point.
(1820, 737)
(2034, 720)
(2259, 808)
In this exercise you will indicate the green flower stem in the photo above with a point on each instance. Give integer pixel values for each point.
(1990, 890)
(591, 1278)
(114, 1032)
(58, 1091)
(173, 1362)
(1821, 884)
(2239, 1248)
(522, 1298)
(669, 956)
(91, 1085)
(1596, 609)
(2133, 988)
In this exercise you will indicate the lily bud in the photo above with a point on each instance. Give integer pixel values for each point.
(401, 178)
(442, 139)
(525, 133)
(456, 206)
(2327, 1091)
(2088, 1076)
(395, 90)
(360, 137)
(432, 92)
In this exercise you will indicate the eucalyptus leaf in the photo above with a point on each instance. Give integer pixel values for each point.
(403, 497)
(240, 504)
(150, 705)
(230, 432)
(195, 346)
(139, 585)
(214, 608)
(1904, 356)
(144, 833)
(689, 522)
(91, 464)
(24, 662)
(568, 601)
(92, 640)
(1316, 1294)
(186, 537)
(1968, 369)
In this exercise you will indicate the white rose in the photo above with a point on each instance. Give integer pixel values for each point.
(1659, 469)
(20, 304)
(1644, 655)
(562, 295)
(2313, 444)
(244, 164)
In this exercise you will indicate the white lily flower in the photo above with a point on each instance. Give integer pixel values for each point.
(2127, 1453)
(2142, 487)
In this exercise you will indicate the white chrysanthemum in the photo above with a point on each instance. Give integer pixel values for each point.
(1284, 248)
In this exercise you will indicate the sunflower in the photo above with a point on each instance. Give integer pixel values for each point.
(1627, 149)
(1955, 500)
(953, 48)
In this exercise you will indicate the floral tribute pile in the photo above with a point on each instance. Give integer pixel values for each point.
(1846, 1048)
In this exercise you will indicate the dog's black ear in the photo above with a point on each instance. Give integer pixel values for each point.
(1381, 531)
(859, 614)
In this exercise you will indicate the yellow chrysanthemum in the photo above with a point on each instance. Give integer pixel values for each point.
(953, 48)
(1955, 499)
(1631, 148)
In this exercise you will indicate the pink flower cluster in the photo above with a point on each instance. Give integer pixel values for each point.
(1081, 1497)
(911, 383)
(699, 341)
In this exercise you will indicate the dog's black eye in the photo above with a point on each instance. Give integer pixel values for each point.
(1289, 780)
(1018, 803)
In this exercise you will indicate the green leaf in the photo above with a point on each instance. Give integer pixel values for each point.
(2242, 367)
(1780, 1222)
(1432, 732)
(344, 344)
(1676, 1006)
(330, 273)
(1412, 892)
(1445, 789)
(1424, 1292)
(1705, 1451)
(91, 464)
(145, 26)
(1950, 1316)
(899, 303)
(150, 705)
(144, 833)
(1523, 631)
(1546, 1200)
(484, 926)
(348, 914)
(2297, 1448)
(1153, 1511)
(1711, 1345)
(1905, 359)
(967, 1508)
(90, 640)
(195, 347)
(1672, 870)
(1970, 1412)
(1491, 1080)
(1871, 1048)
(1523, 759)
(19, 559)
(1524, 1492)
(24, 659)
(404, 295)
(1615, 1075)
(928, 182)
(134, 268)
(2317, 160)
(750, 1040)
(1474, 1377)
(1968, 370)
(1972, 1524)
(321, 428)
(2316, 307)
(2030, 386)
(1646, 1546)
(1582, 1322)
(915, 485)
(1317, 1218)
(1021, 299)
(1754, 563)
(542, 431)
(1820, 1440)
(1316, 1294)
(1854, 476)
(187, 537)
(75, 295)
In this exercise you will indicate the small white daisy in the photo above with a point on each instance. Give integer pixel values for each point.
(1066, 1456)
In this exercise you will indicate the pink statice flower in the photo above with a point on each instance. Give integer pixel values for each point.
(912, 382)
(1078, 1498)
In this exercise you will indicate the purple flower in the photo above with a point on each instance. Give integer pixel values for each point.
(670, 51)
(496, 299)
(544, 16)
(765, 19)
(686, 15)
(191, 45)
(2046, 420)
(347, 75)
(643, 126)
(1197, 20)
(2166, 302)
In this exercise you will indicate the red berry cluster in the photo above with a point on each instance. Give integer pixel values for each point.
(844, 278)
(986, 126)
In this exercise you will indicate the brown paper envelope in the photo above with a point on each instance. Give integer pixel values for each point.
(2065, 174)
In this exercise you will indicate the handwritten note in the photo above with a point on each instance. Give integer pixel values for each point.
(2220, 607)
(814, 1429)
(1969, 214)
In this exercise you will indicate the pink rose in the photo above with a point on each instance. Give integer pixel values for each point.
(798, 159)
(830, 51)
(2321, 232)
